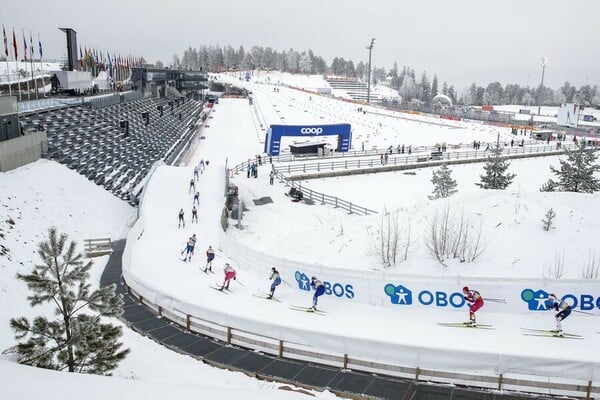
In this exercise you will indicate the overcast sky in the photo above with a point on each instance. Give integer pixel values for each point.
(462, 41)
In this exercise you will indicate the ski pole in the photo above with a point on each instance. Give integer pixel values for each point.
(284, 281)
(586, 313)
(495, 300)
(239, 282)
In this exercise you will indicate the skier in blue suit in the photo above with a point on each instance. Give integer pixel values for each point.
(276, 281)
(563, 308)
(319, 290)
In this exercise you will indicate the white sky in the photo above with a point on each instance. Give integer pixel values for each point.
(45, 193)
(462, 41)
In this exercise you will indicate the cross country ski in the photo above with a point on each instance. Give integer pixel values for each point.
(264, 295)
(467, 324)
(550, 333)
(220, 289)
(307, 309)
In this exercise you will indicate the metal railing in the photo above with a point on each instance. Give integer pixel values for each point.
(314, 196)
(288, 157)
(297, 351)
(395, 159)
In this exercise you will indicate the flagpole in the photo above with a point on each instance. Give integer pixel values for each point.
(42, 66)
(6, 54)
(25, 55)
(18, 78)
(17, 62)
(8, 78)
(43, 80)
(37, 94)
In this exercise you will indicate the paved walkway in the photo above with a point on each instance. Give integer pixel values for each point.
(344, 382)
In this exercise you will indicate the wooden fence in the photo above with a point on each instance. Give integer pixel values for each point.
(97, 247)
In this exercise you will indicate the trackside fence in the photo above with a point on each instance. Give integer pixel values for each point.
(395, 159)
(296, 351)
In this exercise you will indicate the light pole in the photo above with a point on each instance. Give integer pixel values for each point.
(370, 48)
(544, 65)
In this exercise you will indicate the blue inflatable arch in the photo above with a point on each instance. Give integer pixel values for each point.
(275, 132)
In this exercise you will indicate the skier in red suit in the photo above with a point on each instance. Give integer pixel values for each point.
(475, 302)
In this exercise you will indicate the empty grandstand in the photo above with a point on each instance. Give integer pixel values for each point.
(352, 88)
(115, 146)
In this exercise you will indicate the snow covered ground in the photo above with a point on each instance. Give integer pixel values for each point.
(45, 193)
(299, 234)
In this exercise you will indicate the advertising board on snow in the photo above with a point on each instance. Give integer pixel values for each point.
(521, 296)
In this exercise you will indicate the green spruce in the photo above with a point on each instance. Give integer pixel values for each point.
(576, 173)
(75, 338)
(495, 167)
(548, 220)
(443, 184)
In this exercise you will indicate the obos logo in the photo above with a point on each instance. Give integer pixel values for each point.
(402, 295)
(337, 289)
(537, 300)
(311, 131)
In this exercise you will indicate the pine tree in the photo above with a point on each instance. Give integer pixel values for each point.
(495, 168)
(576, 173)
(443, 184)
(72, 340)
(548, 219)
(549, 186)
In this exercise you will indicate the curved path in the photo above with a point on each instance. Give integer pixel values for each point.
(344, 382)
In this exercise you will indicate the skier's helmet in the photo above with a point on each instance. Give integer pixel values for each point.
(465, 289)
(312, 278)
(273, 269)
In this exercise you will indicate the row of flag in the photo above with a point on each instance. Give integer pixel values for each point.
(15, 46)
(104, 60)
(91, 58)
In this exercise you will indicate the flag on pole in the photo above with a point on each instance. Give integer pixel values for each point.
(40, 45)
(24, 45)
(5, 43)
(15, 48)
(31, 48)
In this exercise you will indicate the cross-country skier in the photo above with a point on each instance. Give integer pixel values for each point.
(189, 248)
(563, 308)
(475, 302)
(229, 275)
(210, 256)
(276, 281)
(194, 214)
(181, 220)
(192, 186)
(196, 198)
(319, 290)
(196, 173)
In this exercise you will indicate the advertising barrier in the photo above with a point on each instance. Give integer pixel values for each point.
(390, 288)
(276, 132)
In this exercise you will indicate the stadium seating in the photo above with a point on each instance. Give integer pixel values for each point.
(354, 89)
(92, 142)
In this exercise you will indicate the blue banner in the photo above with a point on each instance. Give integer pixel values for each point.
(275, 132)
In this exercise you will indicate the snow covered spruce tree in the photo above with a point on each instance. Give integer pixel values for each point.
(443, 184)
(495, 168)
(576, 173)
(72, 340)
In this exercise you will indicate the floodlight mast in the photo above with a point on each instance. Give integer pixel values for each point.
(544, 61)
(370, 48)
